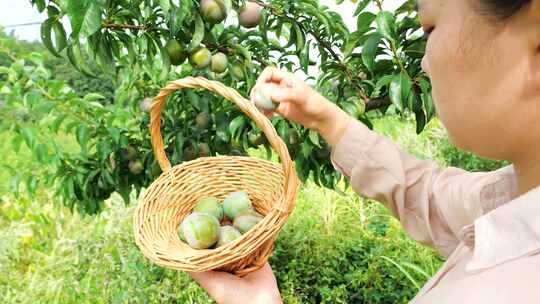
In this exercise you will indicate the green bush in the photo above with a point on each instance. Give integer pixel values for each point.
(433, 144)
(329, 252)
(334, 249)
(455, 157)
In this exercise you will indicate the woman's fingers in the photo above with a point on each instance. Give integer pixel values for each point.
(272, 74)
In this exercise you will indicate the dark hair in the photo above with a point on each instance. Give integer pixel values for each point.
(502, 9)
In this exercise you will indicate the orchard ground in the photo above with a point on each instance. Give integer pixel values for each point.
(336, 248)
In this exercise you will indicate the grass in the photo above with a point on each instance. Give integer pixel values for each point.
(336, 248)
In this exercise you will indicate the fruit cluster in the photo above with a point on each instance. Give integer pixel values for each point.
(209, 225)
(214, 12)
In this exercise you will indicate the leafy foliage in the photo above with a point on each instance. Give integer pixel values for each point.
(55, 255)
(376, 67)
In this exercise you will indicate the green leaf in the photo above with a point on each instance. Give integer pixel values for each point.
(14, 183)
(42, 154)
(306, 149)
(383, 81)
(166, 61)
(300, 38)
(93, 97)
(36, 58)
(364, 21)
(60, 36)
(16, 143)
(104, 148)
(222, 127)
(405, 272)
(236, 125)
(40, 5)
(165, 5)
(198, 35)
(314, 138)
(369, 50)
(76, 59)
(420, 117)
(386, 25)
(76, 11)
(29, 137)
(304, 59)
(46, 27)
(361, 6)
(82, 135)
(350, 108)
(417, 269)
(400, 88)
(427, 99)
(85, 17)
(55, 125)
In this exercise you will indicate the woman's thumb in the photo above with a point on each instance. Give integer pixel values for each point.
(280, 94)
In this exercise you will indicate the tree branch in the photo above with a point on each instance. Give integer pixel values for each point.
(277, 12)
(377, 103)
(124, 26)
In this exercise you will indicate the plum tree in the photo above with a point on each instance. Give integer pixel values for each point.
(377, 61)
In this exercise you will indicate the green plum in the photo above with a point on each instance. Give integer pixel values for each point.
(237, 70)
(209, 205)
(219, 63)
(176, 52)
(200, 58)
(227, 234)
(136, 167)
(236, 203)
(201, 230)
(213, 11)
(249, 15)
(247, 220)
(263, 99)
(203, 120)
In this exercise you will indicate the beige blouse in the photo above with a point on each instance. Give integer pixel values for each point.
(491, 237)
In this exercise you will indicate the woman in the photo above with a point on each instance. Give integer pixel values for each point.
(483, 58)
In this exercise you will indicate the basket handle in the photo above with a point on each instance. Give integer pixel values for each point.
(291, 179)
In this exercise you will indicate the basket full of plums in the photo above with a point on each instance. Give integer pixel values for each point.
(215, 213)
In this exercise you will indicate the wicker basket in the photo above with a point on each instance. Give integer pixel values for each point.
(170, 198)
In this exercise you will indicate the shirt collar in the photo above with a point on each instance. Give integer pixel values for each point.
(506, 233)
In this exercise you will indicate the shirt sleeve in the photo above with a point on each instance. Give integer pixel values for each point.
(433, 204)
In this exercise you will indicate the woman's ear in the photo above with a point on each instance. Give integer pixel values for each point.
(531, 26)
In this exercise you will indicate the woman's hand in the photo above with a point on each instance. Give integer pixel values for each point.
(300, 103)
(257, 287)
